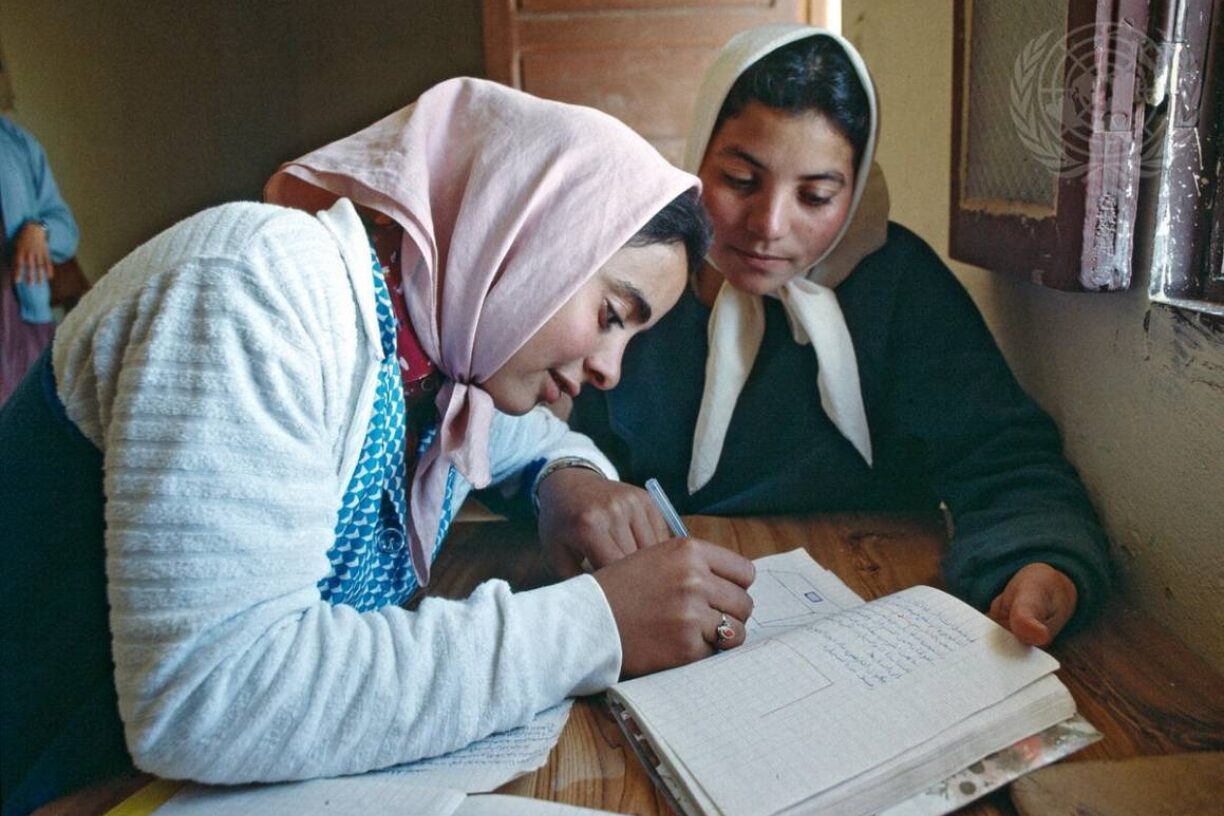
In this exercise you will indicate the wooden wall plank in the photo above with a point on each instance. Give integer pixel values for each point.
(639, 60)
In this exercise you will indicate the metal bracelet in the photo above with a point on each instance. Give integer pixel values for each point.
(555, 465)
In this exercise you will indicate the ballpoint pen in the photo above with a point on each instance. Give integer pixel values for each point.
(724, 631)
(665, 507)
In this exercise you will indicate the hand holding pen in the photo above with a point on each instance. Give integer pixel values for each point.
(671, 597)
(724, 632)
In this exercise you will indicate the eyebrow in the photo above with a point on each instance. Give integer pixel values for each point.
(641, 310)
(745, 156)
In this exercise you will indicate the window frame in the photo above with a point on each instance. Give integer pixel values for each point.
(1188, 233)
(1086, 242)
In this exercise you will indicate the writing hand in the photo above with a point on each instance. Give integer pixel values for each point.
(668, 601)
(1036, 604)
(583, 515)
(31, 258)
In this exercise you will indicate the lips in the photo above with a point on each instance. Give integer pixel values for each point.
(759, 260)
(564, 386)
(757, 256)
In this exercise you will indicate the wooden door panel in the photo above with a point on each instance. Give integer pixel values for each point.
(637, 5)
(639, 60)
(546, 32)
(652, 89)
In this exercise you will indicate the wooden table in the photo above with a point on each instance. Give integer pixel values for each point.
(1144, 690)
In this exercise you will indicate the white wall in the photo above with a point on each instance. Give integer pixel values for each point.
(1137, 389)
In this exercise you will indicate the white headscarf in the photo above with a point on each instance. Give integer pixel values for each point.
(737, 322)
(509, 204)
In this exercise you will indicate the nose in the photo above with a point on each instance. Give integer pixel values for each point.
(767, 215)
(603, 368)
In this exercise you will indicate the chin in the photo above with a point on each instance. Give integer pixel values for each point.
(752, 281)
(755, 283)
(512, 403)
(516, 407)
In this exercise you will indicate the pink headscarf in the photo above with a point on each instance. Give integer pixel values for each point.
(509, 203)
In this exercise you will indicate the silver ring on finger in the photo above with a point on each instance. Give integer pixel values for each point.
(724, 632)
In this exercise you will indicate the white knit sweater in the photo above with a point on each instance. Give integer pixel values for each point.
(225, 369)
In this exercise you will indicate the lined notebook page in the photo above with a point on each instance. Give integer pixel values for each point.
(789, 715)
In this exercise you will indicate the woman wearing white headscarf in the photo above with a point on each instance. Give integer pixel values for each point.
(824, 359)
(252, 435)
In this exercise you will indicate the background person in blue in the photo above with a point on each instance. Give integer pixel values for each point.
(39, 231)
(824, 359)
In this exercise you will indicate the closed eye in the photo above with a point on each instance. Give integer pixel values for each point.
(611, 318)
(739, 182)
(822, 189)
(639, 310)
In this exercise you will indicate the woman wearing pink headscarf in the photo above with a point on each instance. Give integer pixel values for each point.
(255, 430)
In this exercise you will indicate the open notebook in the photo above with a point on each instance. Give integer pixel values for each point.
(836, 705)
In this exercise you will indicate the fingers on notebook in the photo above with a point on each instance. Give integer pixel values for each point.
(732, 566)
(1036, 604)
(730, 598)
(667, 600)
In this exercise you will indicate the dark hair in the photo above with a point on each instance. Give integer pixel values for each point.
(813, 74)
(683, 220)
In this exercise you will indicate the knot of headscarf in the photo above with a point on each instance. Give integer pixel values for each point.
(509, 203)
(737, 320)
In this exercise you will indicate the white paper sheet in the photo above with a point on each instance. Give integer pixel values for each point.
(487, 765)
(431, 787)
(366, 795)
(499, 805)
(345, 796)
(791, 589)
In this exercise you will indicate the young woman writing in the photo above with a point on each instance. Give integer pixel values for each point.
(251, 436)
